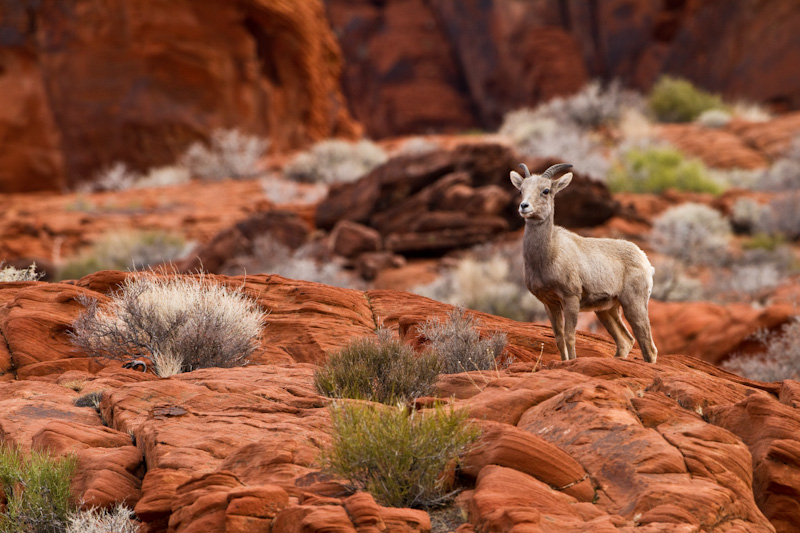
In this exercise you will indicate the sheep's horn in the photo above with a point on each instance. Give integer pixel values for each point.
(555, 169)
(524, 168)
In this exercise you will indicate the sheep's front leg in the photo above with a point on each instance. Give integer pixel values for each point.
(572, 306)
(557, 323)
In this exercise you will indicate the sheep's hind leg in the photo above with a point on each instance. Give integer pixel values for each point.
(611, 320)
(557, 323)
(636, 313)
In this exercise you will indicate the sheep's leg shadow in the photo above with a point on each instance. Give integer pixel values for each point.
(572, 307)
(612, 321)
(636, 313)
(557, 323)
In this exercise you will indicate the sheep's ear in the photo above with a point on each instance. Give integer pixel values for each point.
(516, 179)
(562, 182)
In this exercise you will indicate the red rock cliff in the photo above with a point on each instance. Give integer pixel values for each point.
(85, 83)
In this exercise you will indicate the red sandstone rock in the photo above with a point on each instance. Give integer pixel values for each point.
(716, 148)
(710, 331)
(267, 67)
(594, 444)
(350, 239)
(451, 199)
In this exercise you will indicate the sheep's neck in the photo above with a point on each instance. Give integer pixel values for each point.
(538, 243)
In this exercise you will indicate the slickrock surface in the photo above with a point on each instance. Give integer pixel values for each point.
(595, 444)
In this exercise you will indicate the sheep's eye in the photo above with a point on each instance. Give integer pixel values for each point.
(546, 191)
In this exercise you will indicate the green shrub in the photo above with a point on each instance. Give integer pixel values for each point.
(9, 273)
(396, 455)
(334, 160)
(657, 169)
(458, 346)
(174, 323)
(381, 370)
(677, 100)
(124, 250)
(693, 233)
(36, 486)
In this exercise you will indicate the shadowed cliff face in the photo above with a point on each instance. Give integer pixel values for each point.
(448, 64)
(88, 83)
(592, 444)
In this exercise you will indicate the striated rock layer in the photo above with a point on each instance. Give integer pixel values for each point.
(595, 444)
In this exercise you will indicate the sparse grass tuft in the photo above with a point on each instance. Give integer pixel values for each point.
(114, 520)
(173, 323)
(231, 154)
(334, 160)
(677, 100)
(400, 457)
(693, 233)
(657, 169)
(458, 346)
(36, 487)
(381, 370)
(124, 250)
(9, 273)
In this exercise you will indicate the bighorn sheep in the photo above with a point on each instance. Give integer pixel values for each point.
(570, 273)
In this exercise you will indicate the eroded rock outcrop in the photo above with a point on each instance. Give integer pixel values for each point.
(100, 82)
(432, 203)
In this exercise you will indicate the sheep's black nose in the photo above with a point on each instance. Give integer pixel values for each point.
(524, 205)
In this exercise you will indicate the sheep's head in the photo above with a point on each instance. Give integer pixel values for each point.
(539, 191)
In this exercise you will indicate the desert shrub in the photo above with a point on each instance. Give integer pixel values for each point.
(782, 216)
(458, 346)
(593, 106)
(489, 280)
(747, 215)
(735, 177)
(281, 191)
(231, 154)
(782, 175)
(114, 520)
(780, 361)
(750, 111)
(671, 284)
(540, 136)
(36, 486)
(334, 160)
(656, 169)
(124, 250)
(714, 118)
(173, 323)
(396, 455)
(692, 233)
(163, 177)
(677, 100)
(117, 177)
(310, 262)
(91, 399)
(381, 370)
(10, 273)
